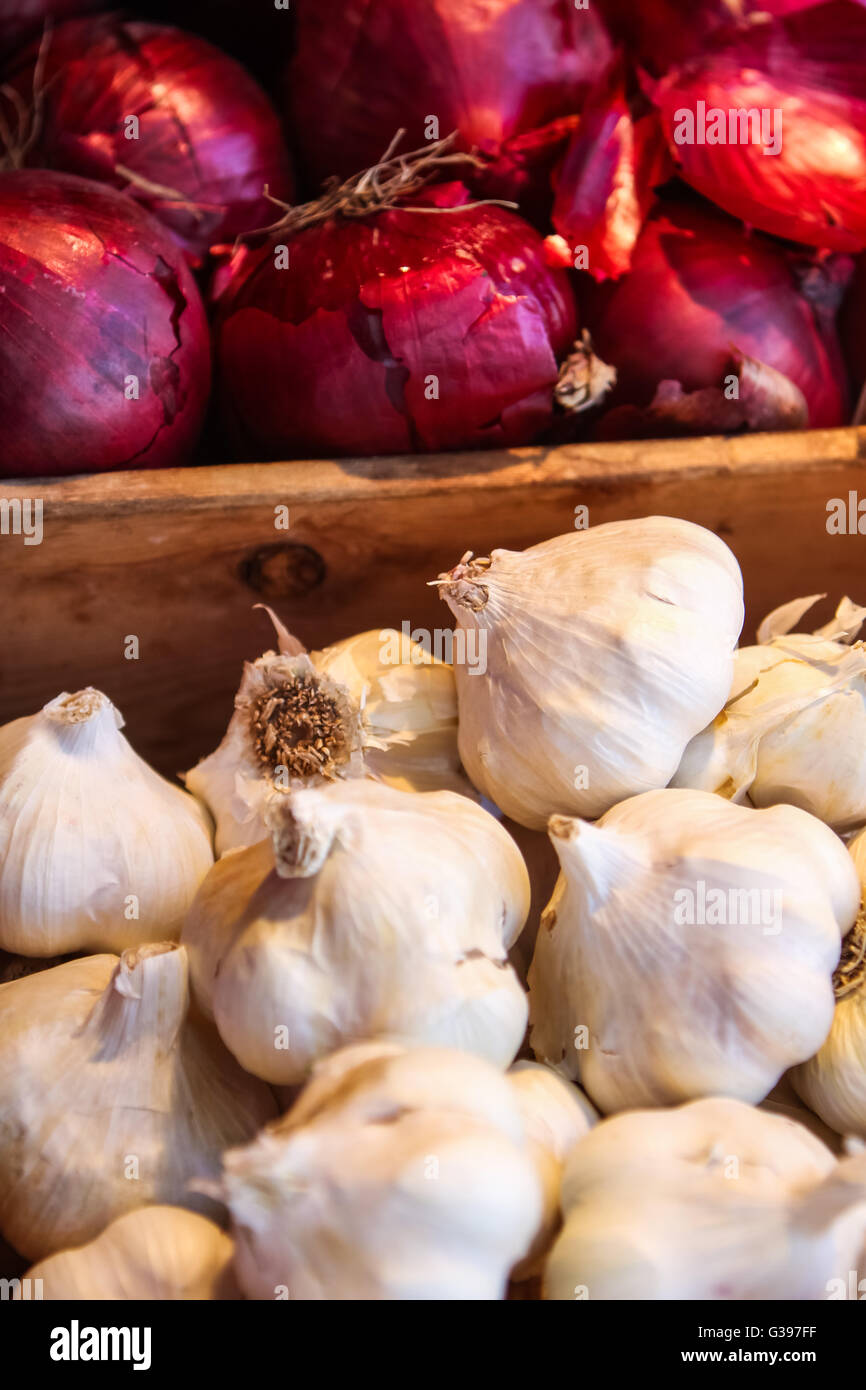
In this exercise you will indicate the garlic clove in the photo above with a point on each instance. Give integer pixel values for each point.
(345, 926)
(112, 1095)
(377, 705)
(713, 1200)
(153, 1253)
(689, 948)
(794, 728)
(397, 1175)
(607, 650)
(97, 851)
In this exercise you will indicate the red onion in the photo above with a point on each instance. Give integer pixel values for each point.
(400, 331)
(497, 72)
(701, 293)
(805, 78)
(853, 334)
(208, 139)
(22, 20)
(97, 305)
(605, 186)
(662, 33)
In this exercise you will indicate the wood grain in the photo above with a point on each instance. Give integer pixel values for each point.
(178, 558)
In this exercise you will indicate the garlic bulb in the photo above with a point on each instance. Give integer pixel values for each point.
(97, 851)
(833, 1082)
(794, 727)
(154, 1253)
(378, 704)
(399, 1174)
(111, 1096)
(689, 948)
(607, 650)
(555, 1116)
(370, 911)
(714, 1200)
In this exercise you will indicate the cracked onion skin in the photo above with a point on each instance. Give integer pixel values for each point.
(335, 355)
(93, 292)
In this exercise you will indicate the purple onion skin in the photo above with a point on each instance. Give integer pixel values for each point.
(96, 304)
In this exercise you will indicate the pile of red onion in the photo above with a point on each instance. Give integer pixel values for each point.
(104, 354)
(160, 113)
(661, 210)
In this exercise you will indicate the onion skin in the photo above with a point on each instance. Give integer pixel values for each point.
(92, 292)
(700, 289)
(495, 71)
(811, 67)
(206, 129)
(22, 20)
(334, 355)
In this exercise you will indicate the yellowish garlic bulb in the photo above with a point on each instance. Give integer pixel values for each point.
(711, 1201)
(689, 948)
(833, 1082)
(398, 1174)
(112, 1096)
(377, 705)
(794, 727)
(605, 652)
(97, 851)
(370, 911)
(154, 1253)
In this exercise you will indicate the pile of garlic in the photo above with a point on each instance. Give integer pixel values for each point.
(271, 1037)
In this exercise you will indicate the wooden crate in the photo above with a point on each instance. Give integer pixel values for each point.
(178, 558)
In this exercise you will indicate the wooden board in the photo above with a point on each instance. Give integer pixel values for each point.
(178, 558)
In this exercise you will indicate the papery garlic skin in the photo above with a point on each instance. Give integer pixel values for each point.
(372, 911)
(638, 988)
(376, 704)
(711, 1201)
(833, 1082)
(607, 650)
(556, 1116)
(397, 1175)
(794, 727)
(153, 1254)
(111, 1096)
(97, 851)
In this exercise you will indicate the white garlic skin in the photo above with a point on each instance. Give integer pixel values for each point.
(675, 1009)
(794, 734)
(97, 851)
(111, 1096)
(156, 1253)
(399, 1174)
(607, 650)
(556, 1116)
(399, 921)
(711, 1201)
(833, 1082)
(398, 722)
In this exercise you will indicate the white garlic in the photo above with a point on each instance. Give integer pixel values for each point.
(556, 1115)
(689, 948)
(153, 1253)
(370, 911)
(112, 1096)
(97, 851)
(376, 705)
(714, 1200)
(833, 1082)
(794, 727)
(398, 1174)
(607, 650)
